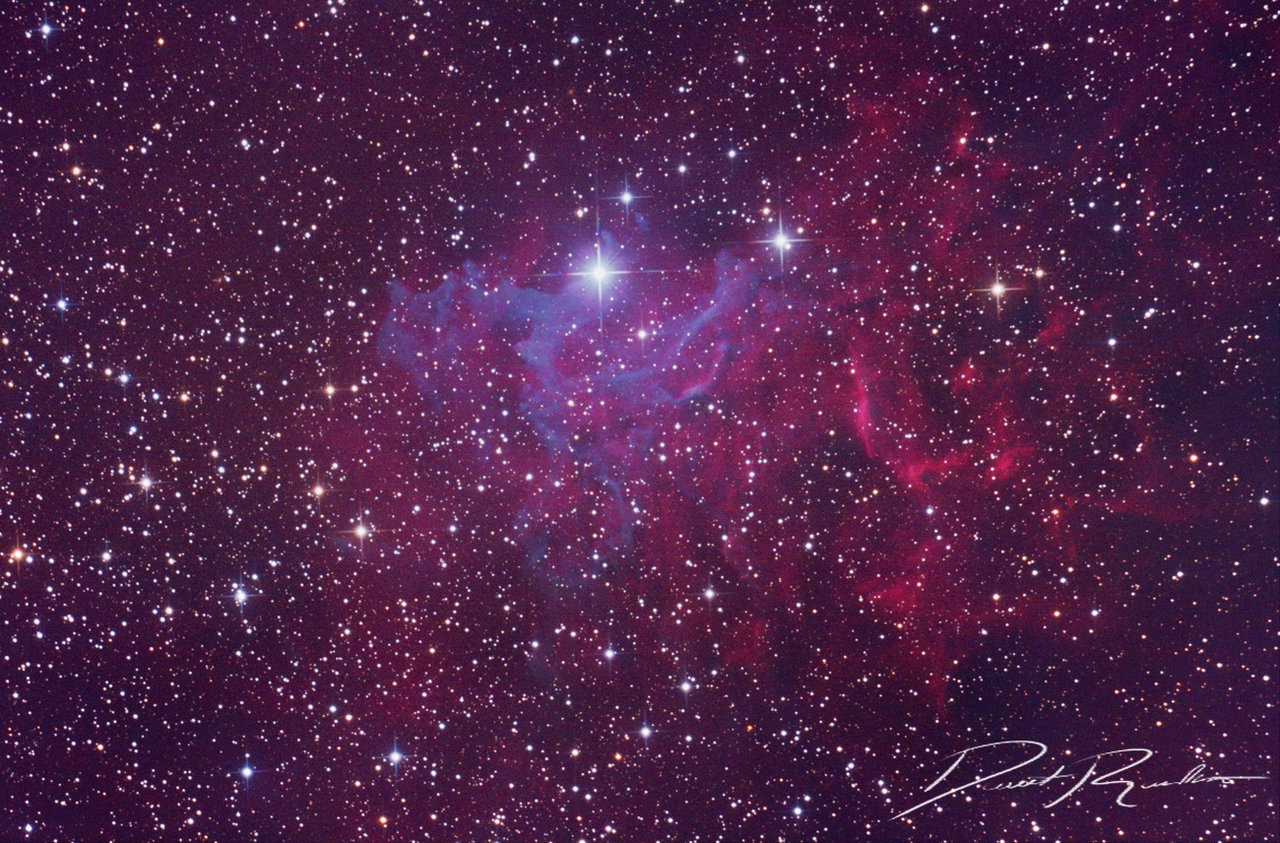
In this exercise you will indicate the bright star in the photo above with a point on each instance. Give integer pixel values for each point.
(246, 771)
(599, 273)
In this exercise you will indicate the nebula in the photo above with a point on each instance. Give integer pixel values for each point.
(679, 421)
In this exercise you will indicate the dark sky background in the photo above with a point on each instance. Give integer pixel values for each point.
(653, 421)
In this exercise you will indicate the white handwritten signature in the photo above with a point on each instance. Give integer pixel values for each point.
(1128, 759)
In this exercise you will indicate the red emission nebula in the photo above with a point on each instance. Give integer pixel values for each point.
(673, 421)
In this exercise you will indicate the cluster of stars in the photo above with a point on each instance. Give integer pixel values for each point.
(453, 421)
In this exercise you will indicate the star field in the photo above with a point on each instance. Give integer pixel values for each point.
(661, 421)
